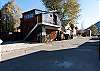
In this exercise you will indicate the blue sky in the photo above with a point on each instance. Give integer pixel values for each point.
(89, 9)
(89, 12)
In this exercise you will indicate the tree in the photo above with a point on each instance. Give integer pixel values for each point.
(68, 9)
(52, 4)
(11, 14)
(93, 29)
(72, 11)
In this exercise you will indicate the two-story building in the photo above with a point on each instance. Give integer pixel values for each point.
(40, 26)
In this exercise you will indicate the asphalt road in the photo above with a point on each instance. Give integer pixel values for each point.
(83, 58)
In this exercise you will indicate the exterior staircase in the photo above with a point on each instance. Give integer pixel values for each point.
(31, 31)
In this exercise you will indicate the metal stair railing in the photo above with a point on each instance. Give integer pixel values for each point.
(31, 31)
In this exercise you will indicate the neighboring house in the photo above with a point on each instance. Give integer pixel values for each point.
(68, 28)
(37, 25)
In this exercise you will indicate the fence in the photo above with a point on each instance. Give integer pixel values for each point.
(15, 36)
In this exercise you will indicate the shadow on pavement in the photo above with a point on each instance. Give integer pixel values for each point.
(83, 58)
(94, 38)
(15, 42)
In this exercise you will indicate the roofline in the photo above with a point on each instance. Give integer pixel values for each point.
(33, 10)
(41, 11)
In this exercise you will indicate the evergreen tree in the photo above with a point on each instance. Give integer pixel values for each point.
(93, 29)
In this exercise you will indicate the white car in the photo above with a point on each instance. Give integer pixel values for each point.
(1, 41)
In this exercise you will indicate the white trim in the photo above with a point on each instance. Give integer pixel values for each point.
(51, 25)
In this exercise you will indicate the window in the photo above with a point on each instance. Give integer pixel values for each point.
(28, 16)
(50, 15)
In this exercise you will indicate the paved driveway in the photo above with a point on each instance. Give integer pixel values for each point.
(83, 58)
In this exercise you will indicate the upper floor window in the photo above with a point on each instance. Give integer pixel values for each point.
(28, 16)
(50, 15)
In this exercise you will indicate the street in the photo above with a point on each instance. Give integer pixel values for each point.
(83, 58)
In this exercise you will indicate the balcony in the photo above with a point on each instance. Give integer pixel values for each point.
(46, 19)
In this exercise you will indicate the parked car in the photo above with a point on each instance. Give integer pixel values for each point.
(1, 41)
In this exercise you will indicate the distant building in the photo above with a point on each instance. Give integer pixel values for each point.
(38, 26)
(69, 31)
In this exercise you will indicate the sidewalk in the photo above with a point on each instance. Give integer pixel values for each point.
(82, 58)
(65, 44)
(10, 51)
